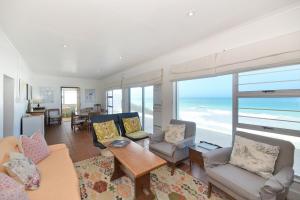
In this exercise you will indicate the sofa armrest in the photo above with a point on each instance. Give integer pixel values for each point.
(157, 137)
(217, 157)
(185, 143)
(278, 183)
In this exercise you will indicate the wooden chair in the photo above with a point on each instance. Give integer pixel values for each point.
(54, 116)
(90, 124)
(76, 121)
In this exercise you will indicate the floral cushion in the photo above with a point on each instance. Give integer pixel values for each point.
(106, 130)
(10, 189)
(34, 147)
(132, 124)
(175, 133)
(137, 135)
(254, 156)
(23, 170)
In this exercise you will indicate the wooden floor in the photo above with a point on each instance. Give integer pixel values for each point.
(81, 146)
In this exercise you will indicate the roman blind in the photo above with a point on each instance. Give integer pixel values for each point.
(276, 51)
(144, 79)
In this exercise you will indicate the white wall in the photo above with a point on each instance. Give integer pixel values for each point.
(12, 65)
(56, 83)
(277, 24)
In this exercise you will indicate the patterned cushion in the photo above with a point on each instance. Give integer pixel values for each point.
(254, 156)
(22, 169)
(10, 189)
(175, 133)
(132, 124)
(106, 130)
(34, 147)
(137, 135)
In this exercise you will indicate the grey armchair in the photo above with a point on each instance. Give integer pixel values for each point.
(244, 185)
(173, 153)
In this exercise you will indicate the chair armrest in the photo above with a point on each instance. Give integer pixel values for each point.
(185, 143)
(278, 183)
(217, 157)
(157, 137)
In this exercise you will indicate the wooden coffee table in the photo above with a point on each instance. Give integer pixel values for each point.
(136, 162)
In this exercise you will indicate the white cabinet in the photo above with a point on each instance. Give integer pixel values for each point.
(32, 124)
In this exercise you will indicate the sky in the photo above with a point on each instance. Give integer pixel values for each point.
(220, 86)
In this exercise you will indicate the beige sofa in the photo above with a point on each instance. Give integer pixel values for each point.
(58, 177)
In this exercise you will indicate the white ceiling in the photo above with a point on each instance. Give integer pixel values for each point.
(98, 32)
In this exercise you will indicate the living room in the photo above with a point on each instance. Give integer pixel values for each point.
(211, 70)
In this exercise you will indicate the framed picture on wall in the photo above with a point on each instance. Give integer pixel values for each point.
(90, 95)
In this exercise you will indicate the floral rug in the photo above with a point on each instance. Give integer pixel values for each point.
(94, 178)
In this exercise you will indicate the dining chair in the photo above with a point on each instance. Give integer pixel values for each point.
(54, 115)
(76, 121)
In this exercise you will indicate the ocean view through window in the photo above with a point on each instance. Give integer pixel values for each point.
(208, 103)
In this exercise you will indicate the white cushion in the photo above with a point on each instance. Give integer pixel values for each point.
(254, 156)
(175, 133)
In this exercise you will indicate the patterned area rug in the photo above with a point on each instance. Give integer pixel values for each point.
(94, 177)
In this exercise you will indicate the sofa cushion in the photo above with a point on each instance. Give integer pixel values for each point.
(132, 124)
(175, 133)
(105, 130)
(254, 156)
(23, 170)
(238, 180)
(59, 179)
(137, 135)
(34, 147)
(7, 145)
(163, 147)
(10, 189)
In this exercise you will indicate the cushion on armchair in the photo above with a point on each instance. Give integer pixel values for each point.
(175, 133)
(132, 125)
(106, 130)
(137, 135)
(254, 156)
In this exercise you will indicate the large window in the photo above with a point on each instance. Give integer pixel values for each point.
(264, 102)
(141, 101)
(268, 104)
(114, 101)
(208, 103)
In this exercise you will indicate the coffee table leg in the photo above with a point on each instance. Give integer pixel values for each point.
(142, 188)
(118, 173)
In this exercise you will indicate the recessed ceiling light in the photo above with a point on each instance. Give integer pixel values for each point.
(65, 46)
(121, 57)
(191, 13)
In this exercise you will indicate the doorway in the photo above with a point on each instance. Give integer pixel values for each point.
(70, 101)
(8, 106)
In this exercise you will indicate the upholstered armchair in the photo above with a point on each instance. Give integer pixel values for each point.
(244, 185)
(173, 153)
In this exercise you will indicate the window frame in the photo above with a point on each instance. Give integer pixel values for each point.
(112, 100)
(236, 94)
(143, 103)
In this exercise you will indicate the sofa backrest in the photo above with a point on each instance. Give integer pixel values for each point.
(190, 127)
(126, 115)
(286, 152)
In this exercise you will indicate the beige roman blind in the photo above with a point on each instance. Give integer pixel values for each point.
(147, 78)
(282, 50)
